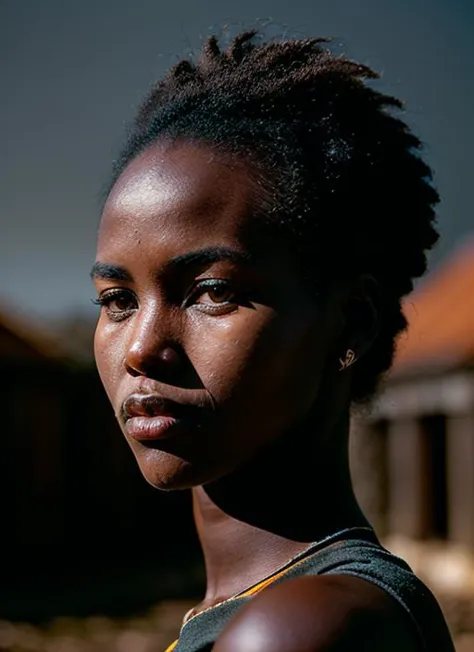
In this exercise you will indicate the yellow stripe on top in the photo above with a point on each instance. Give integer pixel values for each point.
(249, 592)
(273, 578)
(252, 591)
(264, 583)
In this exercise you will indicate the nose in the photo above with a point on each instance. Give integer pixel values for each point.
(152, 350)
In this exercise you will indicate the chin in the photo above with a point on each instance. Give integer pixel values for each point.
(168, 472)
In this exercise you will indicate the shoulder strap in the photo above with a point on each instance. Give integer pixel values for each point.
(363, 558)
(373, 563)
(201, 631)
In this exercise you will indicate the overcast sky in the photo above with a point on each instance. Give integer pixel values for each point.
(72, 73)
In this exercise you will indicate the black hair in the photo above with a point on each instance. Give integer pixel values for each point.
(344, 174)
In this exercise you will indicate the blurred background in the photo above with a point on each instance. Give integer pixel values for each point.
(94, 560)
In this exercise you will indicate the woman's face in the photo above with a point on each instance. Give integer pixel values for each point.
(207, 344)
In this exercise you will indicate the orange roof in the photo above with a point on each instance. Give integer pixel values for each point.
(440, 315)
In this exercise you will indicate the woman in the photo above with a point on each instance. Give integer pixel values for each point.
(263, 222)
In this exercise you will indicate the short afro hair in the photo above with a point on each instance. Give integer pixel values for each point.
(344, 173)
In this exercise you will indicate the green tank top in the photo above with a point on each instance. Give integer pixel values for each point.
(355, 552)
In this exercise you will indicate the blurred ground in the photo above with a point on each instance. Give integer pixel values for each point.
(154, 630)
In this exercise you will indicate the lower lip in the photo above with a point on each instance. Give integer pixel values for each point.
(151, 428)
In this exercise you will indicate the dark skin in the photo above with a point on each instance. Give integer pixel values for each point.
(203, 309)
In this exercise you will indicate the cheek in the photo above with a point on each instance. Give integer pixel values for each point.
(223, 354)
(259, 358)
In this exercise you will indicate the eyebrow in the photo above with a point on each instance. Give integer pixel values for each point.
(209, 255)
(111, 272)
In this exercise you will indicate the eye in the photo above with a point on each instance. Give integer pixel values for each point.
(218, 293)
(213, 295)
(118, 304)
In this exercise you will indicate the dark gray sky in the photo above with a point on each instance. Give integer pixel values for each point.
(72, 73)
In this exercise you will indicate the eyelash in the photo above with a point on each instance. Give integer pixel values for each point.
(201, 287)
(105, 299)
(205, 287)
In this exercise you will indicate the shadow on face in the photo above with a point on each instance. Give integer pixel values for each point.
(205, 328)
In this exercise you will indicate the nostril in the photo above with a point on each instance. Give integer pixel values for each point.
(170, 356)
(132, 370)
(165, 360)
(168, 363)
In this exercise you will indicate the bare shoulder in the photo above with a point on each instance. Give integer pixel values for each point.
(330, 613)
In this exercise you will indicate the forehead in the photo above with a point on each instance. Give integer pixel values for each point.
(179, 195)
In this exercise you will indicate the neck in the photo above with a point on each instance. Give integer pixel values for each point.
(253, 521)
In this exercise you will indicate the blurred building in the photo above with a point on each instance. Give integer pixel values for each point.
(73, 504)
(32, 371)
(413, 455)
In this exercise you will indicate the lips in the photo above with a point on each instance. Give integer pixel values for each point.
(149, 417)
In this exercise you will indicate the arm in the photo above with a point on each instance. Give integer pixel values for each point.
(320, 614)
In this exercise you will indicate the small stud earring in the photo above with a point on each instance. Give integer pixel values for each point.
(349, 360)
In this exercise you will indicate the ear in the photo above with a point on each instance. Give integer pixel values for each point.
(361, 317)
